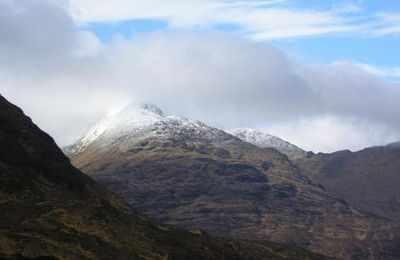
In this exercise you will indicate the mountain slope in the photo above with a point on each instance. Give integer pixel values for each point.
(265, 140)
(183, 172)
(369, 179)
(395, 144)
(50, 209)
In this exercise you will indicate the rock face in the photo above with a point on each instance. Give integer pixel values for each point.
(265, 140)
(368, 179)
(183, 172)
(50, 210)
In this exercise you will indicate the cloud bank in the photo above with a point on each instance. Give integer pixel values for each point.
(66, 79)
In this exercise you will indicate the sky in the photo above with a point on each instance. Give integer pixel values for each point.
(324, 75)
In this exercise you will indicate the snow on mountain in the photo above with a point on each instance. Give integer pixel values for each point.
(265, 140)
(138, 122)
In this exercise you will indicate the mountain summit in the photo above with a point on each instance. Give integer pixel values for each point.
(152, 108)
(119, 122)
(265, 140)
(140, 122)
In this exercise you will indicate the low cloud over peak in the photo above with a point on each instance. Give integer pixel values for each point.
(221, 79)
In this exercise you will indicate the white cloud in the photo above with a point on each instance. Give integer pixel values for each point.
(381, 71)
(257, 19)
(50, 68)
(348, 7)
(387, 24)
(329, 133)
(224, 80)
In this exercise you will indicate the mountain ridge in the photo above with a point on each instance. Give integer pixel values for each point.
(265, 140)
(367, 178)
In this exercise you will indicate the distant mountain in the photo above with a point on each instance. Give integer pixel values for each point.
(395, 144)
(182, 172)
(50, 210)
(265, 140)
(368, 179)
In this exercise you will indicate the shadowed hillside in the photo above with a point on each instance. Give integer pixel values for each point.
(368, 179)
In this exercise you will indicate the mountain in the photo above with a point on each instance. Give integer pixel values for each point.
(140, 123)
(183, 172)
(395, 144)
(368, 179)
(50, 210)
(265, 140)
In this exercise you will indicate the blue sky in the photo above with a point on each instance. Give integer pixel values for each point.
(368, 33)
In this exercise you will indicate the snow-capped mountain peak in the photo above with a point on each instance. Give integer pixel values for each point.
(151, 108)
(133, 116)
(265, 140)
(139, 122)
(136, 123)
